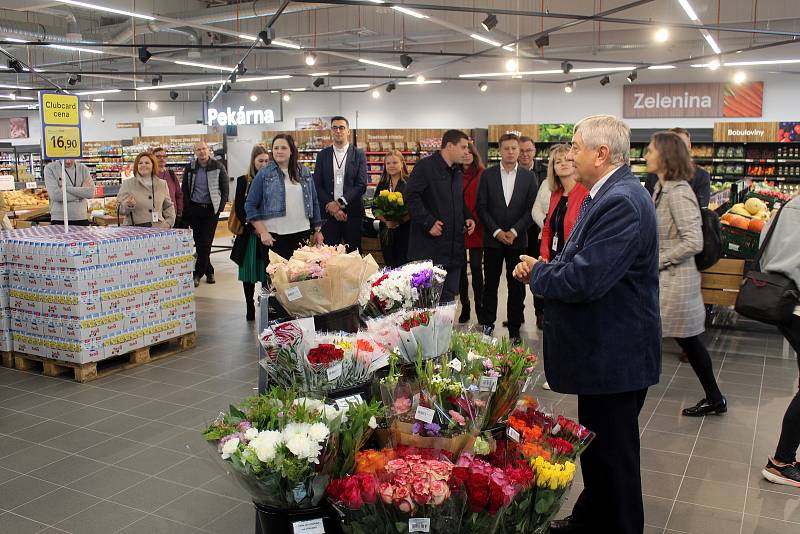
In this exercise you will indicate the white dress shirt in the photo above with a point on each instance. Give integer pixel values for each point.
(508, 179)
(596, 188)
(339, 166)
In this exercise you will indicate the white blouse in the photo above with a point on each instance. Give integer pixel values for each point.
(295, 219)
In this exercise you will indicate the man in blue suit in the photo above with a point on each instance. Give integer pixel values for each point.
(340, 176)
(602, 331)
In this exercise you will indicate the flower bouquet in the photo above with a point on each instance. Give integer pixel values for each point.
(332, 364)
(284, 344)
(319, 279)
(356, 499)
(443, 320)
(417, 284)
(553, 481)
(416, 330)
(390, 206)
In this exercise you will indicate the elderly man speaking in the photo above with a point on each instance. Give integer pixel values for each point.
(602, 332)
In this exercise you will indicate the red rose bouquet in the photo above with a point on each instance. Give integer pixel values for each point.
(355, 497)
(417, 334)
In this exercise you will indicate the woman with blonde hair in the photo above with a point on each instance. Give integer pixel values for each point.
(144, 199)
(248, 252)
(394, 234)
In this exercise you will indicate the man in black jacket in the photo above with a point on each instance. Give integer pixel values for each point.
(439, 215)
(205, 192)
(505, 200)
(340, 176)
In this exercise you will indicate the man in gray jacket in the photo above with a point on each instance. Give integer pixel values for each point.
(80, 187)
(205, 192)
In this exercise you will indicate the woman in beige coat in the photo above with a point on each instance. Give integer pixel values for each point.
(144, 199)
(680, 238)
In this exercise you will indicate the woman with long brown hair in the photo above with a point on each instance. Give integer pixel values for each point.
(680, 238)
(248, 252)
(394, 234)
(473, 243)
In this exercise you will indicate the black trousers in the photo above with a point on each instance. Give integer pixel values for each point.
(343, 232)
(451, 284)
(493, 259)
(394, 246)
(475, 260)
(202, 219)
(60, 222)
(284, 245)
(790, 429)
(701, 364)
(612, 497)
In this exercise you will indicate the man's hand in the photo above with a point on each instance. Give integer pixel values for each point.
(332, 207)
(340, 216)
(470, 224)
(524, 268)
(436, 229)
(391, 225)
(511, 237)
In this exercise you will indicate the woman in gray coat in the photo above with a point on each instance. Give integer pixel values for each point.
(680, 237)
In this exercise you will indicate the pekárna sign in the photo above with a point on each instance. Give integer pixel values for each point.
(236, 117)
(693, 100)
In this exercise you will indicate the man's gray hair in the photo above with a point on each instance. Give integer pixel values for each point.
(610, 131)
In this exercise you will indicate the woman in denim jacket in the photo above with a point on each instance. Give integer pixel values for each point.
(282, 203)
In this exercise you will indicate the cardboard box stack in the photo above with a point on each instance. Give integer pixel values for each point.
(95, 292)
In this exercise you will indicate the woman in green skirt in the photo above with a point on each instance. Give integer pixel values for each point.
(248, 252)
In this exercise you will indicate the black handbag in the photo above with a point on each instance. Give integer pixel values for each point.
(767, 297)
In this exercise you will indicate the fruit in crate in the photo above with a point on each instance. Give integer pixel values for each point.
(739, 209)
(756, 225)
(755, 206)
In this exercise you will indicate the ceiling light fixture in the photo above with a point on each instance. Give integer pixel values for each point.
(265, 36)
(152, 106)
(420, 79)
(97, 92)
(689, 9)
(483, 86)
(144, 54)
(489, 22)
(286, 97)
(16, 66)
(739, 77)
(319, 81)
(95, 7)
(479, 37)
(376, 94)
(203, 65)
(241, 69)
(510, 48)
(73, 79)
(569, 87)
(379, 64)
(566, 66)
(391, 87)
(662, 35)
(286, 44)
(511, 65)
(711, 42)
(406, 60)
(156, 80)
(411, 12)
(543, 41)
(76, 49)
(547, 71)
(714, 64)
(661, 67)
(253, 97)
(14, 40)
(247, 79)
(605, 80)
(226, 87)
(232, 78)
(311, 58)
(87, 111)
(173, 95)
(352, 86)
(764, 62)
(423, 82)
(632, 76)
(320, 74)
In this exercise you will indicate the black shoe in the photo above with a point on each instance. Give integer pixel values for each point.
(464, 317)
(487, 330)
(515, 340)
(196, 281)
(786, 474)
(210, 279)
(568, 525)
(704, 407)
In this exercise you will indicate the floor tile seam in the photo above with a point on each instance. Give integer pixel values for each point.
(716, 508)
(772, 518)
(641, 432)
(752, 450)
(156, 514)
(44, 525)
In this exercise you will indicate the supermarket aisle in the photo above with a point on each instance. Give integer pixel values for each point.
(124, 454)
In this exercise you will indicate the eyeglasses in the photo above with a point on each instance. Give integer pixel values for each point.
(339, 128)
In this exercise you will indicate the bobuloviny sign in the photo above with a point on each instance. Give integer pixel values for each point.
(693, 100)
(746, 132)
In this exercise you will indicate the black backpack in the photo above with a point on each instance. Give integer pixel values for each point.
(712, 243)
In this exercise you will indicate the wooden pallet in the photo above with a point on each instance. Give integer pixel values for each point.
(86, 372)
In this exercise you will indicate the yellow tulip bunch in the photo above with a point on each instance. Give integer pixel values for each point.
(394, 197)
(553, 476)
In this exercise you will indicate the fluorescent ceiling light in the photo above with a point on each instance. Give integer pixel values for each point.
(286, 44)
(379, 64)
(711, 42)
(765, 62)
(20, 106)
(98, 100)
(320, 74)
(479, 37)
(297, 89)
(203, 65)
(510, 48)
(76, 49)
(98, 92)
(602, 69)
(15, 40)
(106, 9)
(661, 67)
(182, 84)
(415, 14)
(12, 96)
(248, 37)
(423, 82)
(352, 86)
(6, 86)
(689, 9)
(246, 79)
(549, 71)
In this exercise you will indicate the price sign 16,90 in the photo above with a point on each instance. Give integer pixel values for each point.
(62, 141)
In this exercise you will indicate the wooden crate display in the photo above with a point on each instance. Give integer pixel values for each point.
(720, 282)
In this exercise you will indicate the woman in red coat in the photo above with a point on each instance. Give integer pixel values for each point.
(565, 202)
(473, 167)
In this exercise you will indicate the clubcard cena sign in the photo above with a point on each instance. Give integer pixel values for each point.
(686, 100)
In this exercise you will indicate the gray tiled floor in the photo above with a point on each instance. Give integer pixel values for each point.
(124, 454)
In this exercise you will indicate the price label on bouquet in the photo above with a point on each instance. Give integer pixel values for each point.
(379, 363)
(455, 364)
(293, 293)
(312, 526)
(488, 383)
(334, 371)
(556, 429)
(425, 415)
(527, 384)
(512, 434)
(419, 524)
(345, 402)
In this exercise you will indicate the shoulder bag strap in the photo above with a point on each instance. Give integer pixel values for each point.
(763, 247)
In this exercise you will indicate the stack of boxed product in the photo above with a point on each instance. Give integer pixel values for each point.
(96, 292)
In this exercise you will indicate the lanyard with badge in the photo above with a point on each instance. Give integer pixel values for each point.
(338, 171)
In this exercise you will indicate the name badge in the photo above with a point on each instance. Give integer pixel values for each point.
(154, 217)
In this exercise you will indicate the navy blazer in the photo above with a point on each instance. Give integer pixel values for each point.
(602, 331)
(355, 179)
(496, 215)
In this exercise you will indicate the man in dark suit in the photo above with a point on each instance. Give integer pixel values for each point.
(340, 176)
(602, 331)
(505, 199)
(439, 216)
(701, 182)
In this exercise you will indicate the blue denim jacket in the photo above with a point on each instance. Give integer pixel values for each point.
(267, 196)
